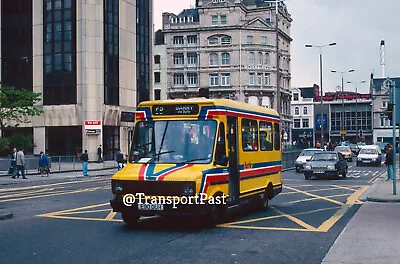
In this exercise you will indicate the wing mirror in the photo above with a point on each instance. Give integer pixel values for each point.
(223, 162)
(308, 159)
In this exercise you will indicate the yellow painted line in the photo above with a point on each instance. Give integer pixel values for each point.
(294, 219)
(347, 188)
(324, 227)
(52, 184)
(75, 209)
(268, 228)
(280, 216)
(52, 194)
(84, 212)
(312, 199)
(80, 218)
(376, 177)
(26, 193)
(316, 196)
(111, 215)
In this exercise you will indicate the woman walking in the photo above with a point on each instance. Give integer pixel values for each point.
(43, 164)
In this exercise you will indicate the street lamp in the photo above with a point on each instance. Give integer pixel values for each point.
(355, 84)
(343, 113)
(320, 75)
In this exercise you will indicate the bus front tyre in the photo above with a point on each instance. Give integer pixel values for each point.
(131, 220)
(214, 215)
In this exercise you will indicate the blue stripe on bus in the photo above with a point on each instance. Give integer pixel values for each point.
(262, 164)
(204, 109)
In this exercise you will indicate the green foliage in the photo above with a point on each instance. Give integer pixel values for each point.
(16, 104)
(16, 141)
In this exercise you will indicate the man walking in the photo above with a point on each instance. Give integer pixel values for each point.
(99, 158)
(389, 162)
(120, 159)
(14, 163)
(21, 163)
(84, 159)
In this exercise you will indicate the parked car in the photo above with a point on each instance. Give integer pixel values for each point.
(326, 164)
(303, 157)
(345, 151)
(369, 154)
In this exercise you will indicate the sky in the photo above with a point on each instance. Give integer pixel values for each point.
(357, 27)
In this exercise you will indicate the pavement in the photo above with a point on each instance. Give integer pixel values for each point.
(370, 236)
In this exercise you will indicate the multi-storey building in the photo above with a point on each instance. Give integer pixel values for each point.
(90, 60)
(233, 48)
(303, 133)
(383, 127)
(160, 67)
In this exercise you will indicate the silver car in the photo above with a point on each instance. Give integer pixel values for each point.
(305, 155)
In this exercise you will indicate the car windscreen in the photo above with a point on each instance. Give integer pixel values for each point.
(324, 157)
(368, 151)
(342, 149)
(309, 153)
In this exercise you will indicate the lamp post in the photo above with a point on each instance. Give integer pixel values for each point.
(320, 75)
(355, 84)
(343, 113)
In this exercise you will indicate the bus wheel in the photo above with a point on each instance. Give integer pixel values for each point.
(214, 215)
(131, 220)
(264, 201)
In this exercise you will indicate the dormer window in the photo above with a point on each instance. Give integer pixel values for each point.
(295, 97)
(226, 40)
(213, 41)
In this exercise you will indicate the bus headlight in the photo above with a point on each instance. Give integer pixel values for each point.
(188, 189)
(117, 187)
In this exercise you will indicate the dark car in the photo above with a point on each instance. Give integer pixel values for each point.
(326, 164)
(354, 148)
(383, 146)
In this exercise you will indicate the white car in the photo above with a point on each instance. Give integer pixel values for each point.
(305, 155)
(369, 154)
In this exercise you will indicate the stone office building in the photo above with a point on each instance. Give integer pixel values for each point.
(90, 60)
(229, 47)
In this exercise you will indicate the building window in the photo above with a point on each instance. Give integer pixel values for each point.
(178, 40)
(259, 78)
(213, 59)
(157, 77)
(214, 20)
(249, 39)
(192, 78)
(259, 58)
(382, 121)
(264, 40)
(296, 111)
(305, 123)
(179, 79)
(296, 123)
(214, 80)
(223, 20)
(266, 79)
(226, 40)
(157, 59)
(212, 41)
(225, 79)
(251, 78)
(305, 110)
(252, 58)
(192, 40)
(384, 104)
(226, 58)
(157, 94)
(179, 59)
(295, 97)
(192, 59)
(266, 58)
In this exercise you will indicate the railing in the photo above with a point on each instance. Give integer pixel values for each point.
(289, 157)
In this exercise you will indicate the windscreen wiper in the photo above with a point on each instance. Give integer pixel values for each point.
(185, 161)
(158, 154)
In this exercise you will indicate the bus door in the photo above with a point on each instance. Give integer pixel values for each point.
(234, 178)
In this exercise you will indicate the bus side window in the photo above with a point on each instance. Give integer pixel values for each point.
(277, 137)
(220, 150)
(266, 138)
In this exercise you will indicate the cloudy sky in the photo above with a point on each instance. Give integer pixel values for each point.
(357, 26)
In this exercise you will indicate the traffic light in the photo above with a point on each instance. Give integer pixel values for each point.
(361, 133)
(389, 111)
(305, 134)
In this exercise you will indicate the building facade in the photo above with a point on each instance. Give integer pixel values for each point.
(230, 47)
(382, 126)
(90, 60)
(303, 132)
(160, 67)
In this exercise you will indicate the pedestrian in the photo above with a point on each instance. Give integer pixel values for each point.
(14, 163)
(318, 145)
(21, 163)
(43, 164)
(99, 158)
(84, 159)
(120, 159)
(389, 162)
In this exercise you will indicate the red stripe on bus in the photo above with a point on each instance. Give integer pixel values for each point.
(162, 176)
(142, 171)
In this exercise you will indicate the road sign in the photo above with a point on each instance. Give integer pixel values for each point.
(93, 127)
(343, 132)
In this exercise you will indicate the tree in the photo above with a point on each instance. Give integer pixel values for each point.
(16, 105)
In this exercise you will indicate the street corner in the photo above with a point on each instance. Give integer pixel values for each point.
(5, 214)
(304, 208)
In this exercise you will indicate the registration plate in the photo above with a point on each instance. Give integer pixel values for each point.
(367, 161)
(318, 171)
(152, 207)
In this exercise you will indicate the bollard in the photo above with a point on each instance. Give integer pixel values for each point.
(73, 163)
(59, 163)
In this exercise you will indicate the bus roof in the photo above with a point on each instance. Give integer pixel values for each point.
(214, 102)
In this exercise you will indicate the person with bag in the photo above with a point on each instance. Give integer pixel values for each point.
(84, 159)
(43, 164)
(389, 162)
(120, 159)
(21, 163)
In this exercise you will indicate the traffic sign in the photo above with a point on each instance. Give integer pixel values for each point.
(343, 132)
